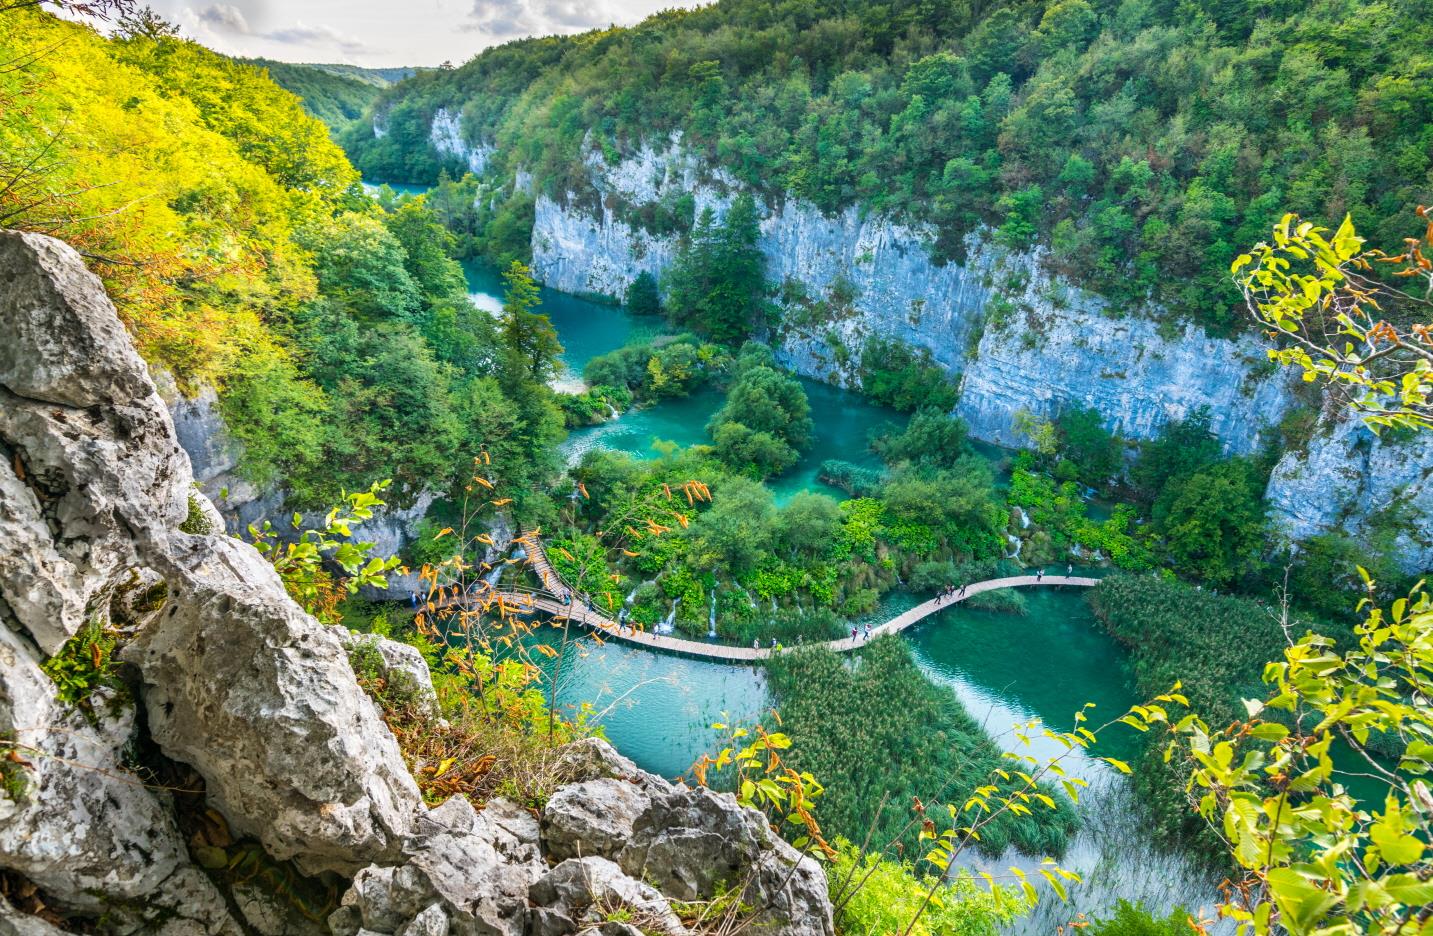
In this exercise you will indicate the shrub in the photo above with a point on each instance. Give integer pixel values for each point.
(877, 895)
(905, 378)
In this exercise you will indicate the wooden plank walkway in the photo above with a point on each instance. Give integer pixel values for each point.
(554, 605)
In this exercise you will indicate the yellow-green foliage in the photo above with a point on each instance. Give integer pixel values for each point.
(185, 203)
(877, 895)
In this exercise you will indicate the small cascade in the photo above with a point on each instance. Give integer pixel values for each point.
(747, 595)
(1024, 517)
(711, 618)
(669, 624)
(613, 412)
(1015, 544)
(626, 607)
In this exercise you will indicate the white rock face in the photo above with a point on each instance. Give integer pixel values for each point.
(446, 134)
(1138, 381)
(878, 281)
(1348, 477)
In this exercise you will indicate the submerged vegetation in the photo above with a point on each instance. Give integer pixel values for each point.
(879, 733)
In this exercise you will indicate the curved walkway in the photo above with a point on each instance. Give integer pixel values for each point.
(523, 602)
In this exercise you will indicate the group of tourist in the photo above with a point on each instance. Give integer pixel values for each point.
(949, 593)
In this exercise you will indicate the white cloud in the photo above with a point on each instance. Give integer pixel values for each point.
(224, 17)
(505, 19)
(320, 35)
(227, 20)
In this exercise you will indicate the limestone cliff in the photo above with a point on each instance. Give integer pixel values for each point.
(236, 735)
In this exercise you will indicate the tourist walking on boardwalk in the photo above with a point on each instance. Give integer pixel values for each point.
(853, 634)
(868, 632)
(1039, 574)
(1069, 569)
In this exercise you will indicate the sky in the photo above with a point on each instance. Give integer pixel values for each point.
(381, 33)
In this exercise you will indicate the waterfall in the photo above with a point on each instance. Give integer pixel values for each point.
(711, 618)
(1015, 544)
(668, 625)
(626, 607)
(1024, 517)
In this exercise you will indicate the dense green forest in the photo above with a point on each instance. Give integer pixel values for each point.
(242, 253)
(335, 94)
(1144, 142)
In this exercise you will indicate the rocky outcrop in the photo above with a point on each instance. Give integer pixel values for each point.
(91, 471)
(75, 822)
(1139, 380)
(446, 135)
(306, 764)
(216, 455)
(1351, 481)
(226, 681)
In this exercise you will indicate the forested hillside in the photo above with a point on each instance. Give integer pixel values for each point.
(335, 94)
(242, 254)
(1143, 141)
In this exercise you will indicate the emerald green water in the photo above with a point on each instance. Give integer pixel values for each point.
(656, 708)
(844, 421)
(585, 328)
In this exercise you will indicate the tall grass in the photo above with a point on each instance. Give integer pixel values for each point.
(876, 728)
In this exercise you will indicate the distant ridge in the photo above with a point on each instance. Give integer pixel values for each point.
(335, 93)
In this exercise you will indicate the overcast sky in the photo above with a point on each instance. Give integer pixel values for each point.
(384, 33)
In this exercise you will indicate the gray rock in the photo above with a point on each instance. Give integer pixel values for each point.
(475, 868)
(592, 818)
(86, 830)
(259, 698)
(1349, 479)
(583, 892)
(694, 844)
(92, 475)
(401, 665)
(15, 923)
(691, 844)
(63, 343)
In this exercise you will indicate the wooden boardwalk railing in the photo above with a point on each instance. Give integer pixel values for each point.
(553, 603)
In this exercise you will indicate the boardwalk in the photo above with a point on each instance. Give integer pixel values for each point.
(554, 605)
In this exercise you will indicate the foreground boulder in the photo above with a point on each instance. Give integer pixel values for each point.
(236, 681)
